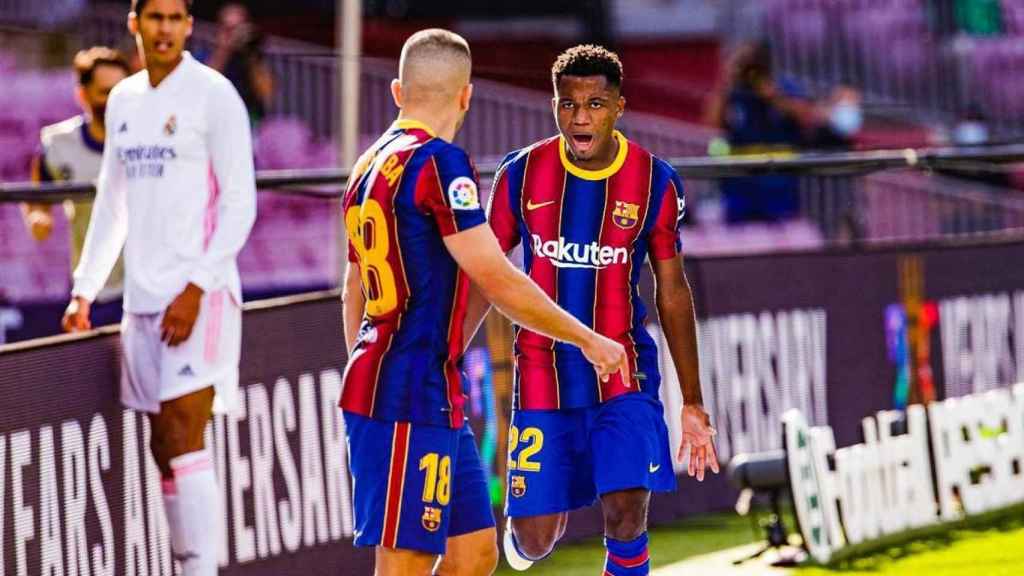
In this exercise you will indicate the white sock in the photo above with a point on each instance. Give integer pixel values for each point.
(192, 504)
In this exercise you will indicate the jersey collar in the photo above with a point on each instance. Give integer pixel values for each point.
(410, 124)
(186, 61)
(620, 159)
(87, 139)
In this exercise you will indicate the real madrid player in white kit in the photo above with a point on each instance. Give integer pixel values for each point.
(177, 190)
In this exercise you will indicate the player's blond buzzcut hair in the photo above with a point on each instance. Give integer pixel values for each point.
(435, 63)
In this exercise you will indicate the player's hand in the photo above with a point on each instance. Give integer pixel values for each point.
(40, 223)
(608, 357)
(698, 441)
(180, 316)
(76, 316)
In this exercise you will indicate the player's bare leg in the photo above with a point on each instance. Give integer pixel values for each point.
(397, 562)
(625, 530)
(534, 537)
(473, 554)
(191, 498)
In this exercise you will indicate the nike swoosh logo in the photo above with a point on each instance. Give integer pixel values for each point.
(652, 468)
(531, 206)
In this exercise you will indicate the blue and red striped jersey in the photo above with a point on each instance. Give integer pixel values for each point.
(406, 193)
(586, 234)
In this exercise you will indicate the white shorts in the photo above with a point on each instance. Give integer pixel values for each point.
(152, 371)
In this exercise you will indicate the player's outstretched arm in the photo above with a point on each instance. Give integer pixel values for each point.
(353, 305)
(678, 321)
(477, 252)
(106, 235)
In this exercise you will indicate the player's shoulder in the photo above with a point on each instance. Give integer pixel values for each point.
(132, 86)
(69, 128)
(203, 77)
(519, 157)
(447, 155)
(444, 149)
(662, 168)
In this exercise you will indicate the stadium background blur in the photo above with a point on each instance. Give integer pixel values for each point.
(771, 256)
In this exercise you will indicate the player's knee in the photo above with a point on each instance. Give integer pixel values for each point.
(538, 539)
(484, 562)
(176, 432)
(625, 522)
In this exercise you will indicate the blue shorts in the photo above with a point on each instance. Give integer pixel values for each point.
(414, 485)
(560, 460)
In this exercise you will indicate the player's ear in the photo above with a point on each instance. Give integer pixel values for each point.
(80, 98)
(396, 92)
(465, 96)
(133, 23)
(188, 33)
(622, 107)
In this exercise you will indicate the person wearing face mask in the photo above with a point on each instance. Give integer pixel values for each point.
(842, 119)
(760, 112)
(970, 131)
(72, 150)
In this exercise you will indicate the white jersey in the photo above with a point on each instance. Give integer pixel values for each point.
(177, 189)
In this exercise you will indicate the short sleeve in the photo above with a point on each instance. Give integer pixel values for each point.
(447, 189)
(500, 214)
(665, 239)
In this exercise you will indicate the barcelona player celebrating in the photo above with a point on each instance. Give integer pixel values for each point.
(590, 206)
(416, 237)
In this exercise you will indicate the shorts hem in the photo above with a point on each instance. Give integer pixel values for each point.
(491, 523)
(545, 511)
(650, 487)
(138, 406)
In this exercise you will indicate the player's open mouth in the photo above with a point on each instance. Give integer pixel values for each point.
(582, 142)
(162, 46)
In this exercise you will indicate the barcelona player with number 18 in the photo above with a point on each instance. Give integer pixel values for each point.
(417, 235)
(590, 207)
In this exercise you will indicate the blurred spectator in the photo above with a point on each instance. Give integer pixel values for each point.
(840, 120)
(759, 114)
(972, 130)
(72, 150)
(238, 54)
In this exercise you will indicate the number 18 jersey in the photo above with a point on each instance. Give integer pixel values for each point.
(406, 193)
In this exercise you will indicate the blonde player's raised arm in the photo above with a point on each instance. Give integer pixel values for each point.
(477, 252)
(230, 144)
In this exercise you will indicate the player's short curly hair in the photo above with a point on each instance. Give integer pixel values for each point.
(588, 60)
(87, 61)
(138, 5)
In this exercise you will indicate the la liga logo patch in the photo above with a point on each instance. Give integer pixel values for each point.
(463, 195)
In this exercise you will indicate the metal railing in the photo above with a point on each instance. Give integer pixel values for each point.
(857, 197)
(886, 174)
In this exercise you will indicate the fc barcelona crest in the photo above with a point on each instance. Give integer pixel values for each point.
(431, 518)
(625, 214)
(518, 487)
